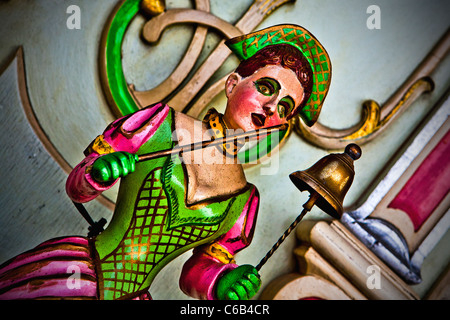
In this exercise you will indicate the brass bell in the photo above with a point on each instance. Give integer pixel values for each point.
(330, 177)
(327, 181)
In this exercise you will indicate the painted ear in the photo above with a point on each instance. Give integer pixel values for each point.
(231, 83)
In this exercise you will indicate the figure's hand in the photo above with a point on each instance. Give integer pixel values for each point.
(111, 166)
(241, 283)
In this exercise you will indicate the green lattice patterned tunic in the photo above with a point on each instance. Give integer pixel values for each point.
(152, 224)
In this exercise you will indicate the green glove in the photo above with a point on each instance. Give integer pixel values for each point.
(111, 166)
(241, 283)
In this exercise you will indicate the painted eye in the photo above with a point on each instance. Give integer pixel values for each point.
(264, 89)
(267, 86)
(281, 110)
(285, 106)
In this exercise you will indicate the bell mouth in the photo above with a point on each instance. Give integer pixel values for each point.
(326, 202)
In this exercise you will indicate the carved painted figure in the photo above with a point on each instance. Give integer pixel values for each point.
(169, 205)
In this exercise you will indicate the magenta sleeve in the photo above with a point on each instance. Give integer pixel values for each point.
(128, 134)
(202, 271)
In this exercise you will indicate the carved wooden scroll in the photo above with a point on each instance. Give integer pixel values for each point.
(255, 14)
(333, 264)
(191, 96)
(375, 117)
(348, 262)
(124, 99)
(178, 91)
(295, 286)
(151, 33)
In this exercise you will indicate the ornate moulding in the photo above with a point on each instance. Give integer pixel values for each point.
(407, 213)
(402, 220)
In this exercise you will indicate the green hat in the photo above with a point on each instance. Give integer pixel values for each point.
(246, 46)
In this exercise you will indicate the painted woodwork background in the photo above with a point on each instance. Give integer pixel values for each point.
(62, 84)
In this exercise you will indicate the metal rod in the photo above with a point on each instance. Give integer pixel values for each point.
(82, 210)
(95, 228)
(307, 207)
(210, 143)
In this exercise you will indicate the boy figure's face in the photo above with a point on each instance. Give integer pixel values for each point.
(263, 99)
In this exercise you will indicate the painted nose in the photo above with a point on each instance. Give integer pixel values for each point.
(268, 110)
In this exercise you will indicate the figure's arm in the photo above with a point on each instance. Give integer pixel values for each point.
(209, 264)
(115, 147)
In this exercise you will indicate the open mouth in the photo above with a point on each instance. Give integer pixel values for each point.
(258, 119)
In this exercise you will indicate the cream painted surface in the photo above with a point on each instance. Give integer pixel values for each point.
(65, 92)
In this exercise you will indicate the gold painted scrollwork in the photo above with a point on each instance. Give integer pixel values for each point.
(153, 7)
(376, 118)
(190, 96)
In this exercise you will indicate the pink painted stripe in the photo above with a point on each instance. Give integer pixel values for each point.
(32, 257)
(141, 125)
(35, 256)
(69, 240)
(48, 269)
(244, 226)
(200, 274)
(80, 187)
(252, 207)
(52, 288)
(120, 135)
(427, 187)
(143, 296)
